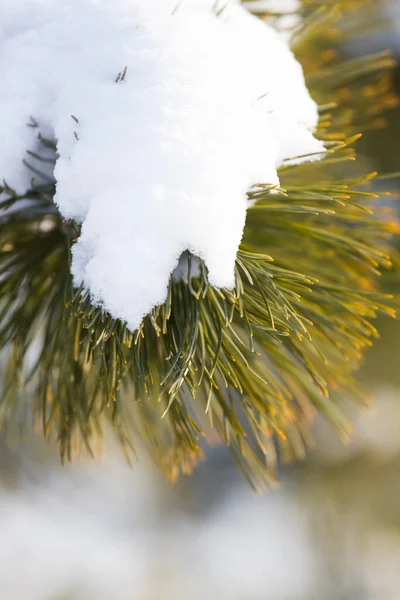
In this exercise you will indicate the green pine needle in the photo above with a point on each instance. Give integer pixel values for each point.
(249, 366)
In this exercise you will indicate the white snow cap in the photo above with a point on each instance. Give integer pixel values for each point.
(161, 162)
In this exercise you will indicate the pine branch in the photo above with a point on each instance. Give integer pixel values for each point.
(253, 364)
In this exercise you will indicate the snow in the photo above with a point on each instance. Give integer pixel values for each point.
(103, 531)
(161, 162)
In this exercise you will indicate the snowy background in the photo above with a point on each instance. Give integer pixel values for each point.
(104, 531)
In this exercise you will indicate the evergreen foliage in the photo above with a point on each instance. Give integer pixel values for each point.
(252, 365)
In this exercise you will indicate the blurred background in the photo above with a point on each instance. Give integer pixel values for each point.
(102, 530)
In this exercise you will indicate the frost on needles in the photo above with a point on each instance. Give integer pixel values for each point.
(160, 161)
